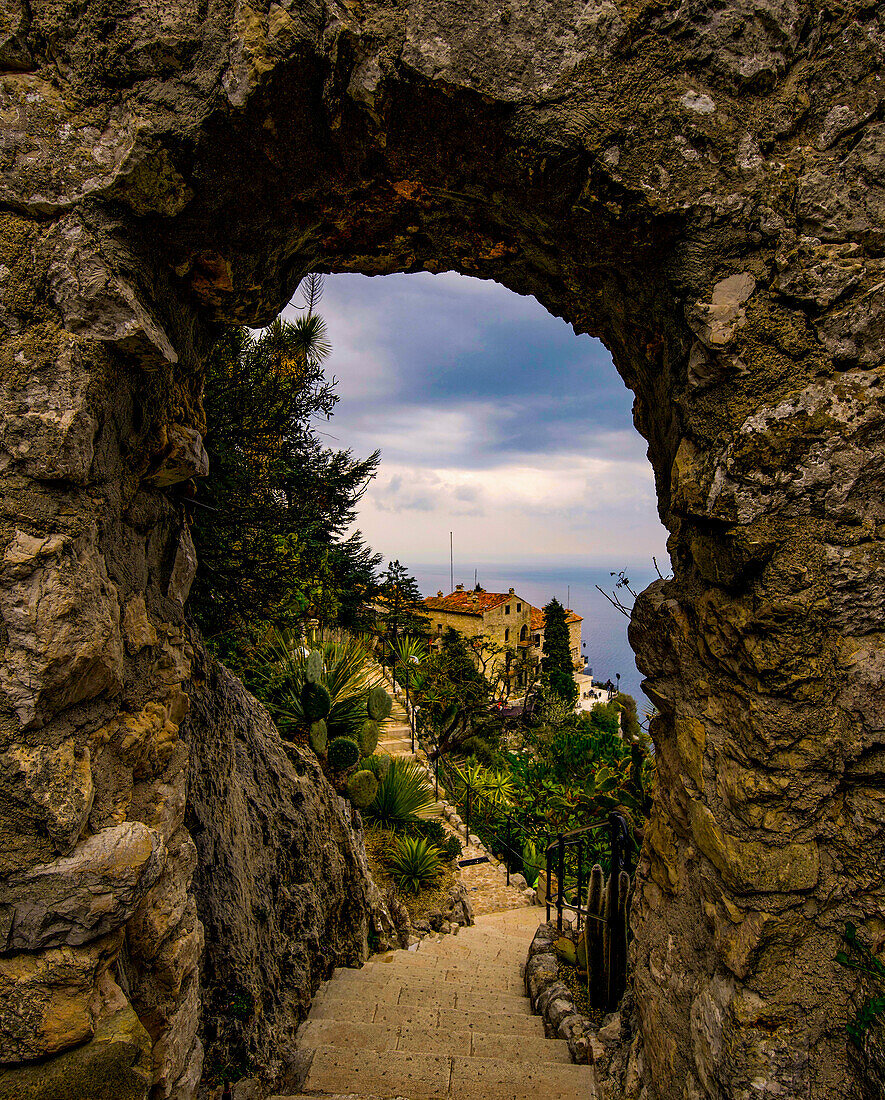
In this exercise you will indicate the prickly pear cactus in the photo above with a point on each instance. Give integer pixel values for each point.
(342, 753)
(378, 704)
(319, 736)
(313, 667)
(316, 702)
(361, 789)
(368, 737)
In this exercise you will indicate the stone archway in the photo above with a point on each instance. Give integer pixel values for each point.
(701, 186)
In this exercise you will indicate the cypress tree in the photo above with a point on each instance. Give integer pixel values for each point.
(556, 657)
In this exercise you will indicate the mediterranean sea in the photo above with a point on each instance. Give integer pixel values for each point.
(604, 630)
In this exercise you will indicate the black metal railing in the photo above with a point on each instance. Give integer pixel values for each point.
(588, 873)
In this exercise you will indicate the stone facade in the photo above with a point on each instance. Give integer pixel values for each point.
(701, 186)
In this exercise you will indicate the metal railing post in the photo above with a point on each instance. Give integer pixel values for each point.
(467, 814)
(549, 872)
(580, 888)
(507, 851)
(560, 879)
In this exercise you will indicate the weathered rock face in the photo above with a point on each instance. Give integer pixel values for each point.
(701, 185)
(280, 884)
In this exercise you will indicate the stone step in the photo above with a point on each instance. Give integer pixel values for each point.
(427, 995)
(395, 1073)
(391, 1015)
(315, 1034)
(483, 977)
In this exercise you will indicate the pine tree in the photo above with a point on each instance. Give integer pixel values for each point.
(270, 542)
(401, 600)
(556, 657)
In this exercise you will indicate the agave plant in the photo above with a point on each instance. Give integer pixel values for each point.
(415, 863)
(403, 794)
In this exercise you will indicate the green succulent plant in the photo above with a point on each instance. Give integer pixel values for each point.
(316, 702)
(415, 863)
(342, 753)
(403, 793)
(361, 788)
(378, 704)
(368, 737)
(318, 736)
(377, 764)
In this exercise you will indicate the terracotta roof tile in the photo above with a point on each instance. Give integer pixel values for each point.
(468, 603)
(538, 617)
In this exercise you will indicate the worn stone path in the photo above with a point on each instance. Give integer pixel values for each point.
(446, 1020)
(486, 883)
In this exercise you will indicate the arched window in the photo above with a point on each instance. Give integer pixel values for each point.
(524, 633)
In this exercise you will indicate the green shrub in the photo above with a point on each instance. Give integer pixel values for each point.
(415, 864)
(316, 702)
(362, 788)
(318, 735)
(377, 764)
(431, 828)
(452, 848)
(342, 753)
(480, 749)
(402, 794)
(379, 704)
(368, 737)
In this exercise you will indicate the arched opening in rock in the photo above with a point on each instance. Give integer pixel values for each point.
(702, 191)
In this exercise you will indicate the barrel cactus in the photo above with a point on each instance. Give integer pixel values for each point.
(319, 736)
(313, 667)
(368, 737)
(378, 703)
(316, 702)
(342, 753)
(361, 788)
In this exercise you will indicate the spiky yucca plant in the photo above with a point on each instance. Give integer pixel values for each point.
(403, 794)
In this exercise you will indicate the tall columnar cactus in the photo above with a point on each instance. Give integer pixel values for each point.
(615, 953)
(378, 704)
(595, 936)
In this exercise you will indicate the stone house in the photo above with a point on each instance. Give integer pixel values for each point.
(507, 619)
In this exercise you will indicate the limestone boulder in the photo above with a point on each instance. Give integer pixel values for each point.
(48, 999)
(166, 902)
(115, 1064)
(62, 616)
(281, 884)
(83, 896)
(183, 457)
(51, 786)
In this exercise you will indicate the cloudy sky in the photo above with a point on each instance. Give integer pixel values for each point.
(494, 421)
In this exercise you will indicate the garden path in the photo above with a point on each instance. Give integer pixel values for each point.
(446, 1020)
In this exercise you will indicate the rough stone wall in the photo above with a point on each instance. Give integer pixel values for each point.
(281, 885)
(700, 184)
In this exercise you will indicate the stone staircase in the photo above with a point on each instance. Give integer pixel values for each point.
(447, 1020)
